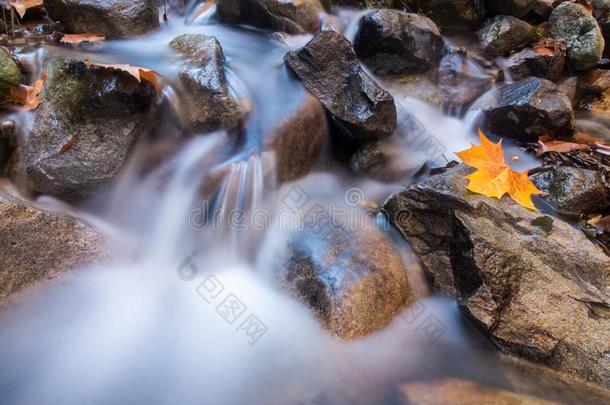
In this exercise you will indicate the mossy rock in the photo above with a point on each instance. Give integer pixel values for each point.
(10, 75)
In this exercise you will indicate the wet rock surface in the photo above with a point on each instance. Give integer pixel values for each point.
(574, 25)
(540, 296)
(83, 131)
(530, 62)
(454, 14)
(504, 34)
(112, 18)
(298, 140)
(208, 104)
(393, 42)
(574, 191)
(291, 16)
(525, 109)
(352, 279)
(38, 245)
(329, 69)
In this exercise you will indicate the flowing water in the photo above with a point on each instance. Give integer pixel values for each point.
(148, 329)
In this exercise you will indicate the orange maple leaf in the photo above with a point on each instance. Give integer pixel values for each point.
(78, 38)
(21, 6)
(28, 96)
(494, 178)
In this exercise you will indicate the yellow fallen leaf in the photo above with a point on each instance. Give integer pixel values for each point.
(494, 178)
(28, 96)
(21, 6)
(138, 72)
(593, 221)
(78, 38)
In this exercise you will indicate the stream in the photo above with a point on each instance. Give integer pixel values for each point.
(159, 324)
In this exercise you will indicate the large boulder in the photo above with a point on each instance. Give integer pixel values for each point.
(329, 69)
(393, 42)
(112, 18)
(452, 14)
(351, 276)
(291, 16)
(505, 34)
(573, 24)
(528, 108)
(38, 245)
(208, 103)
(10, 75)
(517, 8)
(539, 289)
(83, 131)
(572, 191)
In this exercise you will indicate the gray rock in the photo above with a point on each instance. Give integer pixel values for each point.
(291, 16)
(505, 34)
(208, 103)
(352, 279)
(573, 24)
(10, 75)
(393, 42)
(452, 14)
(529, 62)
(83, 131)
(528, 108)
(540, 296)
(38, 245)
(112, 18)
(329, 68)
(517, 8)
(574, 191)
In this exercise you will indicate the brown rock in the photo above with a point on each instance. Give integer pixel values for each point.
(298, 139)
(353, 280)
(38, 245)
(543, 297)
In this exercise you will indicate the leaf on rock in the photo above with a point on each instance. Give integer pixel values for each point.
(28, 96)
(560, 147)
(76, 39)
(21, 6)
(138, 72)
(494, 178)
